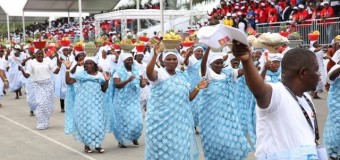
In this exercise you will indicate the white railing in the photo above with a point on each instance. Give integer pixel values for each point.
(328, 28)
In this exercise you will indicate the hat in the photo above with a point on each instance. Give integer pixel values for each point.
(228, 14)
(272, 3)
(262, 4)
(243, 7)
(275, 57)
(236, 7)
(301, 6)
(295, 7)
(218, 36)
(234, 15)
(325, 3)
(239, 13)
(94, 59)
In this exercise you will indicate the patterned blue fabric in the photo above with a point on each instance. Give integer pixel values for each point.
(128, 115)
(221, 130)
(169, 123)
(69, 105)
(90, 122)
(194, 79)
(331, 134)
(273, 77)
(245, 104)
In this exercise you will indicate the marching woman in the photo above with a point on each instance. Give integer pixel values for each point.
(169, 123)
(193, 61)
(271, 71)
(4, 81)
(128, 115)
(29, 85)
(145, 92)
(16, 79)
(40, 70)
(76, 67)
(60, 87)
(220, 127)
(90, 119)
(317, 49)
(332, 130)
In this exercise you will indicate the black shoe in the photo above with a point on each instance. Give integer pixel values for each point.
(135, 142)
(62, 111)
(31, 113)
(121, 145)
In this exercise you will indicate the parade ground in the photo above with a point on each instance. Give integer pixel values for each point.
(20, 140)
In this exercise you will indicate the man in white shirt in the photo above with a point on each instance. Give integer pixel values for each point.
(286, 127)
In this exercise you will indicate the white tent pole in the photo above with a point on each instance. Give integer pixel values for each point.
(68, 17)
(23, 26)
(49, 22)
(190, 22)
(80, 21)
(8, 32)
(162, 15)
(138, 20)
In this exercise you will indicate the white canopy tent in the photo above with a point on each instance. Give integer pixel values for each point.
(153, 14)
(80, 6)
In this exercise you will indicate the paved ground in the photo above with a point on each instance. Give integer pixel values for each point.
(19, 140)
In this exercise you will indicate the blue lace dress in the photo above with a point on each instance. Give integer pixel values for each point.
(331, 136)
(128, 115)
(88, 120)
(169, 123)
(221, 130)
(246, 104)
(194, 79)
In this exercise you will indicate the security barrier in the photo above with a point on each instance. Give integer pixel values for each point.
(328, 28)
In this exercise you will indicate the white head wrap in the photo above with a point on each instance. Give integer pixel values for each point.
(213, 57)
(275, 57)
(123, 57)
(60, 51)
(78, 52)
(165, 54)
(198, 47)
(94, 59)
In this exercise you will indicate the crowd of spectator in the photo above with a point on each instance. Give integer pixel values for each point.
(267, 11)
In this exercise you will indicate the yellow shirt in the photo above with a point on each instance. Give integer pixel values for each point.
(228, 22)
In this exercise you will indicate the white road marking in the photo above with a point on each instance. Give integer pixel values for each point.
(48, 138)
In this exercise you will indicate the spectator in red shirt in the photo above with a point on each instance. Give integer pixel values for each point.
(261, 14)
(317, 11)
(271, 8)
(272, 18)
(282, 4)
(303, 15)
(327, 12)
(293, 2)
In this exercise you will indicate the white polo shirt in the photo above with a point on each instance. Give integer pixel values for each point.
(282, 126)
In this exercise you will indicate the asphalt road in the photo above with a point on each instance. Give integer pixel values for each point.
(20, 140)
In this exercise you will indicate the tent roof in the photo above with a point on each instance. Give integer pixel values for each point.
(3, 18)
(92, 6)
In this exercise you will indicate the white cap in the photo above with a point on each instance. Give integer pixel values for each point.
(272, 3)
(234, 15)
(275, 57)
(236, 7)
(228, 14)
(301, 6)
(239, 13)
(256, 1)
(218, 36)
(295, 7)
(262, 4)
(243, 7)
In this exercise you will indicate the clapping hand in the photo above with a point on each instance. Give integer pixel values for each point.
(67, 64)
(107, 76)
(203, 84)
